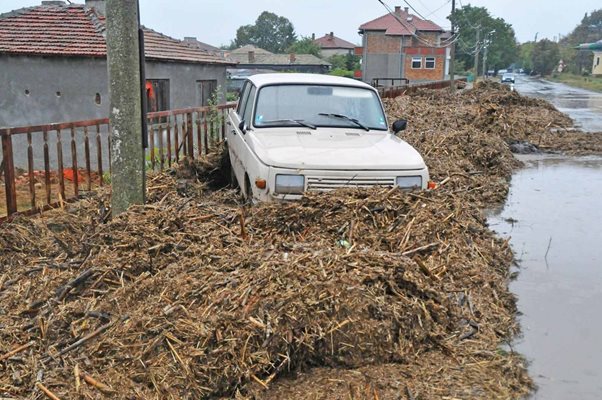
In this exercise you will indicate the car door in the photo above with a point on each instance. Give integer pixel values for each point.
(235, 136)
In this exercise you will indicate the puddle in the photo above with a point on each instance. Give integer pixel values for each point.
(554, 218)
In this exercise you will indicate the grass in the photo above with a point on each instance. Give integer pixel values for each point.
(584, 82)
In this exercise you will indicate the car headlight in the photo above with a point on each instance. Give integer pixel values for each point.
(290, 184)
(408, 182)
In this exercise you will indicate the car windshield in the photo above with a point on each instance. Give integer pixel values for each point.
(319, 105)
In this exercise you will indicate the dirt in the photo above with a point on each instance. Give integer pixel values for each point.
(356, 294)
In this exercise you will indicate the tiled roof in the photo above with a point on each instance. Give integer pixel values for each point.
(278, 59)
(249, 47)
(53, 30)
(409, 25)
(329, 41)
(75, 30)
(160, 47)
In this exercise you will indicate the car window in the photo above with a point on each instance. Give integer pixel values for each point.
(319, 105)
(249, 106)
(243, 98)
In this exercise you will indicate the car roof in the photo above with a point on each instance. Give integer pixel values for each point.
(298, 78)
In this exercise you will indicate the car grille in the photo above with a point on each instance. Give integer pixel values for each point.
(331, 183)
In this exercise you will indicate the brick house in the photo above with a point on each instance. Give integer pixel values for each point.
(53, 66)
(402, 46)
(331, 45)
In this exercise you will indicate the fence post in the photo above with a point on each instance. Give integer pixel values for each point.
(9, 173)
(190, 133)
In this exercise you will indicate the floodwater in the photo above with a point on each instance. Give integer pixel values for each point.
(584, 106)
(553, 216)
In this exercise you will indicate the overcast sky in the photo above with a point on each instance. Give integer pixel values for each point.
(215, 21)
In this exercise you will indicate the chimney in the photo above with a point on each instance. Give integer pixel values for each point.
(406, 9)
(99, 5)
(252, 57)
(313, 36)
(331, 35)
(292, 58)
(397, 10)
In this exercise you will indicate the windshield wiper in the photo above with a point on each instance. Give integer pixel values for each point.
(341, 116)
(299, 122)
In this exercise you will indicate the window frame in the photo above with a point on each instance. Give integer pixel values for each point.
(242, 100)
(426, 61)
(416, 59)
(346, 126)
(250, 103)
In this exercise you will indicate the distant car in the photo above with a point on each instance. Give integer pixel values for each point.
(507, 78)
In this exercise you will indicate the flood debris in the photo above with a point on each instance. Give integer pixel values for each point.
(360, 294)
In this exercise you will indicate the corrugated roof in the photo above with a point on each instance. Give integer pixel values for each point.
(75, 30)
(330, 41)
(392, 26)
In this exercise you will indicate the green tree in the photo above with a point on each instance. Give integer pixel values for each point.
(304, 46)
(545, 56)
(589, 30)
(526, 55)
(270, 32)
(502, 45)
(347, 62)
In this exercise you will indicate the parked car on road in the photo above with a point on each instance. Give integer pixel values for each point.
(507, 78)
(293, 133)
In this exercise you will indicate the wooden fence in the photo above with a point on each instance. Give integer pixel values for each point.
(42, 165)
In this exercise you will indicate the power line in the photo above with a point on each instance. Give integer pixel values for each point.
(438, 8)
(466, 19)
(427, 9)
(449, 41)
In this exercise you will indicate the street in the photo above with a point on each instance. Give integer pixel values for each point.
(552, 218)
(584, 106)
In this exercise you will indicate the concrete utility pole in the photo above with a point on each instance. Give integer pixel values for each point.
(485, 60)
(452, 52)
(123, 59)
(487, 42)
(476, 55)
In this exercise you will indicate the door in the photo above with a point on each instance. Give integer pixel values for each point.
(204, 90)
(239, 152)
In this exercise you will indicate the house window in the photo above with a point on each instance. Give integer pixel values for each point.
(416, 62)
(157, 95)
(429, 63)
(204, 91)
(598, 61)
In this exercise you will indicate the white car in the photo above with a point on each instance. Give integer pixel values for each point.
(293, 133)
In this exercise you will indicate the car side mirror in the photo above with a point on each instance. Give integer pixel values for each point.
(400, 125)
(242, 126)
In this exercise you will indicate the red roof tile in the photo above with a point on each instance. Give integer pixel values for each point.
(329, 41)
(75, 30)
(409, 25)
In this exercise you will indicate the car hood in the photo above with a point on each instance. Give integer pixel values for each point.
(345, 149)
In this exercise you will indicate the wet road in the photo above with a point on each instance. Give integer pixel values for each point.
(584, 106)
(553, 216)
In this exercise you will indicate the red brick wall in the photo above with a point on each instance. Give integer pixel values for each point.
(423, 73)
(381, 44)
